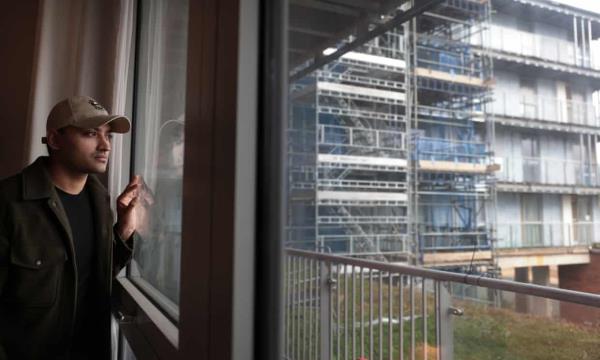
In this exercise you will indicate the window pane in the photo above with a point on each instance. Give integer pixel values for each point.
(158, 149)
(417, 144)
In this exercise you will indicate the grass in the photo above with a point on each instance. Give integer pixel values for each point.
(482, 333)
(493, 334)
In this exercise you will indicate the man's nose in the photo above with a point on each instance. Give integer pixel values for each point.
(104, 144)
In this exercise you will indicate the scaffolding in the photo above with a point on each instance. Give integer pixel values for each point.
(350, 116)
(389, 146)
(452, 181)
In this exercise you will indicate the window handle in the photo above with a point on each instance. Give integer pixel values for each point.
(124, 319)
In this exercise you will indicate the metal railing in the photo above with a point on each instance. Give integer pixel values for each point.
(361, 139)
(545, 108)
(452, 62)
(548, 171)
(362, 184)
(544, 234)
(360, 245)
(346, 308)
(539, 46)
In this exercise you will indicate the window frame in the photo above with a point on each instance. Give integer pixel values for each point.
(206, 305)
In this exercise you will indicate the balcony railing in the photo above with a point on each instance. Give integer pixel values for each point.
(540, 46)
(543, 234)
(346, 139)
(546, 109)
(548, 171)
(346, 308)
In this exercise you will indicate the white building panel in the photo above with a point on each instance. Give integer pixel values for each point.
(374, 59)
(361, 90)
(362, 160)
(360, 196)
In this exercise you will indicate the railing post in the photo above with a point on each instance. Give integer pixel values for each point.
(325, 308)
(446, 330)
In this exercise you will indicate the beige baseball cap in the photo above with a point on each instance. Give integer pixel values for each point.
(86, 113)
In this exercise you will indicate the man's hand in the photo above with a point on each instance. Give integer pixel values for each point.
(131, 209)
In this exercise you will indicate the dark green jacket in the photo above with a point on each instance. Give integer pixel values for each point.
(38, 268)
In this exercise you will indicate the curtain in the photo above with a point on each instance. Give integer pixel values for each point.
(79, 52)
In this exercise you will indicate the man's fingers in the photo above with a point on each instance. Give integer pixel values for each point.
(133, 203)
(129, 194)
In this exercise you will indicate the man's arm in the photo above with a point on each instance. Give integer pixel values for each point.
(122, 251)
(4, 254)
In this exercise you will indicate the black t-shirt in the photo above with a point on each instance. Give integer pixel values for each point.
(81, 219)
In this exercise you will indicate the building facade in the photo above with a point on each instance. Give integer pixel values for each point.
(463, 140)
(545, 107)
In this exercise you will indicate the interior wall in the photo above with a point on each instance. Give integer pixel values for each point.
(18, 29)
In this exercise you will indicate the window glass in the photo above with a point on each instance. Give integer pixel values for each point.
(396, 153)
(158, 147)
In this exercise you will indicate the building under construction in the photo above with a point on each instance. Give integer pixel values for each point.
(398, 148)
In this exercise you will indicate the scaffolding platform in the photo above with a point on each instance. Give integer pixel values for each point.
(360, 197)
(460, 167)
(363, 162)
(449, 77)
(360, 93)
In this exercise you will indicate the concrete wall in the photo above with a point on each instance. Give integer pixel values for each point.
(18, 24)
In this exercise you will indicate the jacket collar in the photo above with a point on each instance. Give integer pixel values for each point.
(37, 183)
(36, 180)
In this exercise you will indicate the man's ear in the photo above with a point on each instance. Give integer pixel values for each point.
(53, 139)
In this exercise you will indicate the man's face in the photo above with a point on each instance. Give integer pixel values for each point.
(85, 150)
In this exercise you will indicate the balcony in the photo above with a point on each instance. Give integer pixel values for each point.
(344, 308)
(541, 47)
(546, 109)
(538, 234)
(548, 171)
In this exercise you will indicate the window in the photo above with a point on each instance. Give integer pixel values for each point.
(158, 148)
(199, 212)
(532, 164)
(531, 215)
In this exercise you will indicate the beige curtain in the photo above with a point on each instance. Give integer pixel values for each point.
(84, 47)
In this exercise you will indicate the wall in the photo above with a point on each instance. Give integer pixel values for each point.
(16, 70)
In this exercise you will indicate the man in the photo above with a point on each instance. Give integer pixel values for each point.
(59, 250)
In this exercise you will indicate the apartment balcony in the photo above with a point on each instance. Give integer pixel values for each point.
(539, 234)
(346, 308)
(544, 112)
(547, 174)
(541, 47)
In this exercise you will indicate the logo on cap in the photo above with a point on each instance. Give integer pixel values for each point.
(95, 104)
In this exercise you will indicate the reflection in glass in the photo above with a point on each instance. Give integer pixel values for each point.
(159, 139)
